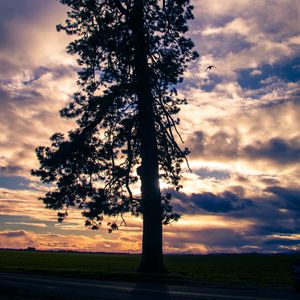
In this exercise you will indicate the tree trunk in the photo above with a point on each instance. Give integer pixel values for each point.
(152, 254)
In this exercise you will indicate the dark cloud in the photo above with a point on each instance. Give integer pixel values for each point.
(57, 71)
(214, 174)
(10, 100)
(232, 240)
(224, 146)
(221, 238)
(222, 203)
(237, 189)
(277, 149)
(269, 181)
(220, 145)
(275, 213)
(37, 74)
(4, 96)
(60, 71)
(13, 234)
(28, 96)
(282, 242)
(9, 170)
(268, 226)
(290, 196)
(242, 179)
(263, 212)
(197, 143)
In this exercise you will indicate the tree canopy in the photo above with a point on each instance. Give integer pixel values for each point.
(94, 166)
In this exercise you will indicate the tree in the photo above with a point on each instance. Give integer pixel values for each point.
(132, 53)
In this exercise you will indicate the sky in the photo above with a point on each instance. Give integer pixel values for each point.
(242, 126)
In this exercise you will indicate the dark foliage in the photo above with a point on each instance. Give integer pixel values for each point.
(95, 165)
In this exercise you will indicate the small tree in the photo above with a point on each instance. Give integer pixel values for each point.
(132, 53)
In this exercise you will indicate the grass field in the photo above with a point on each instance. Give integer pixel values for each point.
(214, 270)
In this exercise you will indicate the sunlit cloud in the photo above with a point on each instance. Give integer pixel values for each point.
(241, 125)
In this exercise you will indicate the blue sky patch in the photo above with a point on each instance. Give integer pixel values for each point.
(288, 71)
(15, 183)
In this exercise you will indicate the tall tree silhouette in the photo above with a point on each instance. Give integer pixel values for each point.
(132, 53)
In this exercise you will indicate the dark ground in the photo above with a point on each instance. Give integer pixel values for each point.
(253, 270)
(23, 286)
(242, 275)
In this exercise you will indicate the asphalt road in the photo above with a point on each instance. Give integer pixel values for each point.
(52, 287)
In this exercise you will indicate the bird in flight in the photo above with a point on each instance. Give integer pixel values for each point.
(210, 68)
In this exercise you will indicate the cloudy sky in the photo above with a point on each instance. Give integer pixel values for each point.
(242, 125)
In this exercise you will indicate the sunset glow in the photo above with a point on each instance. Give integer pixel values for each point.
(241, 125)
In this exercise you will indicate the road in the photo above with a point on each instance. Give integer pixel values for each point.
(69, 288)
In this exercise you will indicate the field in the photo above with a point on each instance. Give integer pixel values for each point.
(211, 270)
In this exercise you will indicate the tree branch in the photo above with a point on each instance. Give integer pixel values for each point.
(121, 8)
